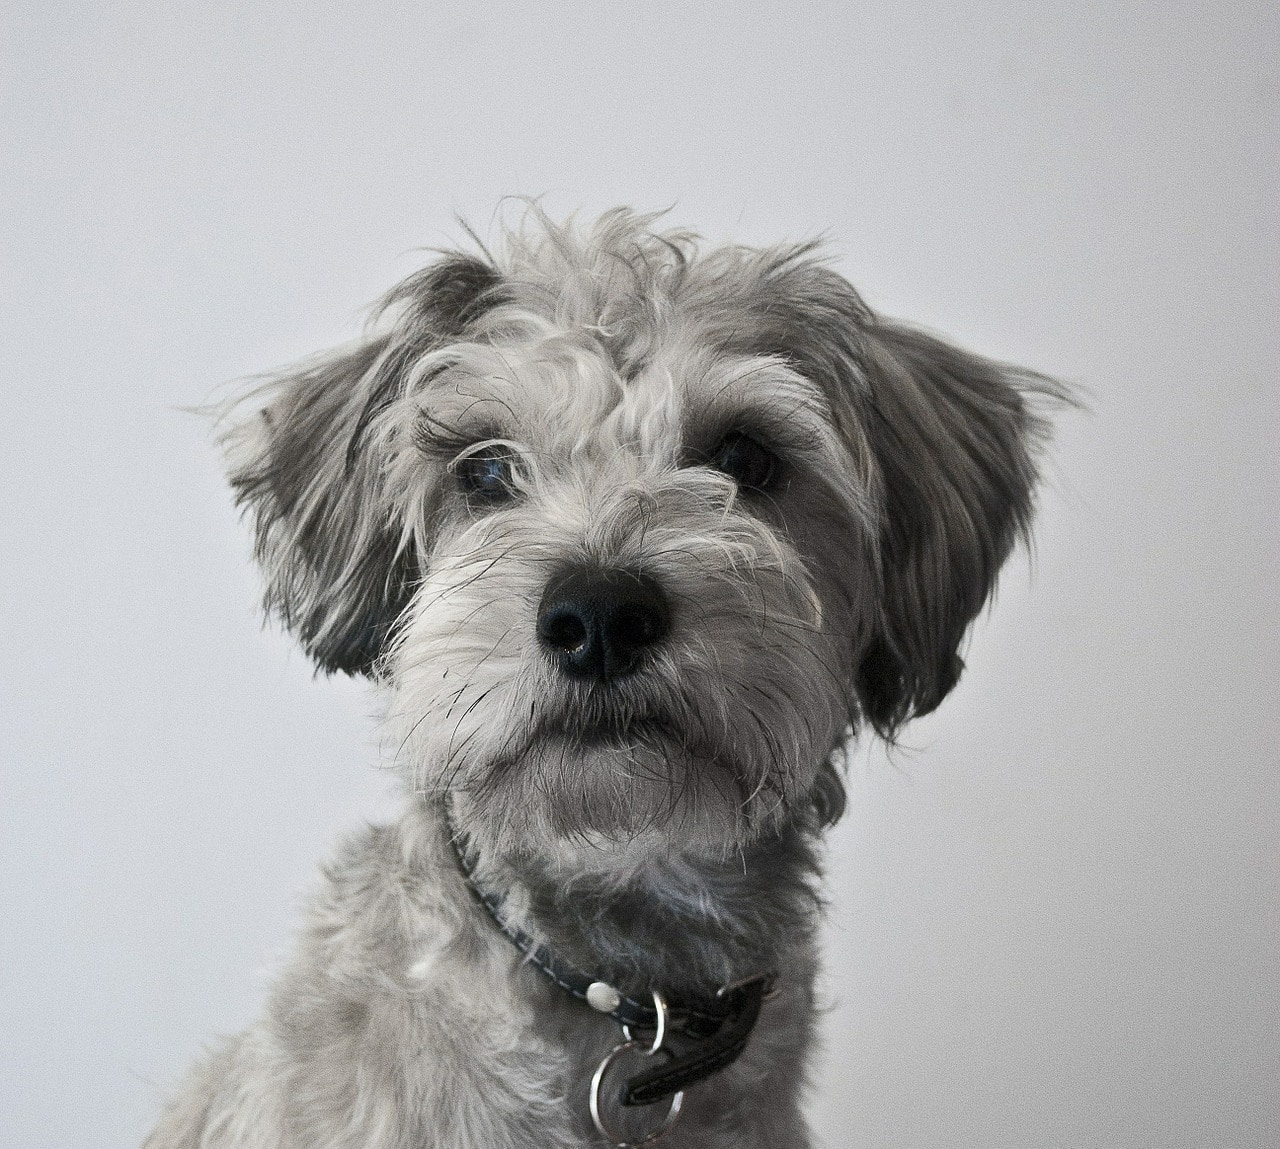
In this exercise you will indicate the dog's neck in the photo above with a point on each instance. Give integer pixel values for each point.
(682, 924)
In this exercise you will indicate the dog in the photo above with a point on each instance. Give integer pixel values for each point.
(634, 536)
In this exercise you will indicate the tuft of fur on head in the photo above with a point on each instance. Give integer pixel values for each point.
(606, 365)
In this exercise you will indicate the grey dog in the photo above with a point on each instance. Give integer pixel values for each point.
(634, 536)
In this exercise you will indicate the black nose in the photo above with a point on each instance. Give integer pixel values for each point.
(597, 623)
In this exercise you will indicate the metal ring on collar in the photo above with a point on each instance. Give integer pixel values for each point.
(597, 1112)
(660, 1034)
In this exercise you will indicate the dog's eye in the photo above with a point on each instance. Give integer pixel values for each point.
(745, 461)
(487, 473)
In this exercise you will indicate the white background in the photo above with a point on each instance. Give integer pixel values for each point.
(1054, 916)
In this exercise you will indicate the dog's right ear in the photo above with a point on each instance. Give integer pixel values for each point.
(310, 477)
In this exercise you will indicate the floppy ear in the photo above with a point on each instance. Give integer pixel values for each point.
(953, 440)
(946, 442)
(311, 478)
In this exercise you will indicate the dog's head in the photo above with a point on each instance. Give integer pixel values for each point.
(634, 532)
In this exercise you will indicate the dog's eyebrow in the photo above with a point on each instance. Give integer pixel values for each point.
(765, 395)
(435, 436)
(456, 415)
(755, 376)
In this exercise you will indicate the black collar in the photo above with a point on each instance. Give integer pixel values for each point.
(720, 1024)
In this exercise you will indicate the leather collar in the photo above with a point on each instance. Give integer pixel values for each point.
(718, 1026)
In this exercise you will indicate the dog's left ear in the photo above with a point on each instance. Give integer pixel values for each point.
(310, 474)
(953, 440)
(946, 442)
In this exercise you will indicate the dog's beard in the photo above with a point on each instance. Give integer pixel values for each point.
(666, 759)
(604, 774)
(624, 777)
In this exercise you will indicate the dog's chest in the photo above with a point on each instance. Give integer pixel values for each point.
(448, 1021)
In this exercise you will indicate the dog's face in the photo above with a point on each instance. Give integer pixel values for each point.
(634, 534)
(638, 604)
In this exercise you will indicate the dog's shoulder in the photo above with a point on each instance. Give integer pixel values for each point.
(382, 897)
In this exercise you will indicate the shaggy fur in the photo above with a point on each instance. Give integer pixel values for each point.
(656, 827)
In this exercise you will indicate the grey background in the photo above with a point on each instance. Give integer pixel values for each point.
(1054, 912)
